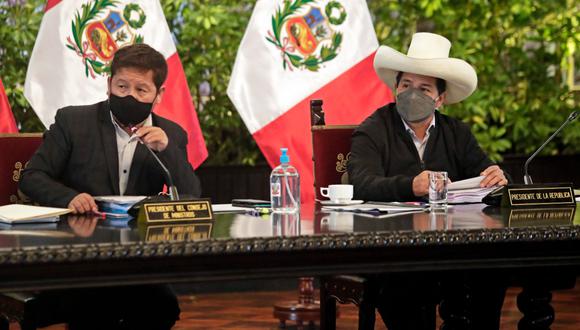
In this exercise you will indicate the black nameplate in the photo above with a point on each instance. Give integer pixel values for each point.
(178, 232)
(538, 195)
(176, 211)
(541, 217)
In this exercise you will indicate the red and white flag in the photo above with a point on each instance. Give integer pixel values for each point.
(298, 50)
(75, 44)
(7, 122)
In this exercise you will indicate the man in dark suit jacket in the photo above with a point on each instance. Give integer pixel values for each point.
(79, 155)
(98, 150)
(87, 151)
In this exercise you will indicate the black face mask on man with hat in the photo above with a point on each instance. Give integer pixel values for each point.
(128, 110)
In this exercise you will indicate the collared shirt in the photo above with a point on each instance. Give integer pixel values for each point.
(126, 146)
(420, 145)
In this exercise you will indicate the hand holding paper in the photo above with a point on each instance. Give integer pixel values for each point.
(493, 176)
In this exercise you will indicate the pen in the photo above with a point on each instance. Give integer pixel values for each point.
(104, 215)
(263, 210)
(259, 211)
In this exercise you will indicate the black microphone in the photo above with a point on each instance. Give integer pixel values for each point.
(173, 195)
(527, 177)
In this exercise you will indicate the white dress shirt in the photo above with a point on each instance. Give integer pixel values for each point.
(420, 145)
(126, 145)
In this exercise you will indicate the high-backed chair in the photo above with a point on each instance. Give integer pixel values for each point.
(22, 307)
(331, 151)
(16, 151)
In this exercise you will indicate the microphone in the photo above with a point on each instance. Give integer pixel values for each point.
(173, 195)
(527, 177)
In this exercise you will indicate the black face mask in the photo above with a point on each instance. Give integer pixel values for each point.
(128, 111)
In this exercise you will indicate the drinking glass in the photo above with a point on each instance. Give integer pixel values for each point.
(438, 190)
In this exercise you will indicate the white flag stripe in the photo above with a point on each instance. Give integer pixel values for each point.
(262, 90)
(56, 75)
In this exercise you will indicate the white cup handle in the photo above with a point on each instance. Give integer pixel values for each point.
(324, 192)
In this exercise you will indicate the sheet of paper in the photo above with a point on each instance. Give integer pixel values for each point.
(224, 208)
(466, 184)
(18, 213)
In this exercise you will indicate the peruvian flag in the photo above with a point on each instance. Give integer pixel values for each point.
(75, 44)
(297, 50)
(7, 122)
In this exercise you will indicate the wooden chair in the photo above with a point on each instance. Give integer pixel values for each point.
(331, 151)
(22, 307)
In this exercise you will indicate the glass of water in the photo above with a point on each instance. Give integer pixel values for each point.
(438, 190)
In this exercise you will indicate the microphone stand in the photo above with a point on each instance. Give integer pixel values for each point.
(173, 195)
(527, 177)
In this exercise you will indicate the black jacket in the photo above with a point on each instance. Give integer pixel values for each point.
(79, 154)
(384, 160)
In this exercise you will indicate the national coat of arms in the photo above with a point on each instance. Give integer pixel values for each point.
(99, 28)
(305, 34)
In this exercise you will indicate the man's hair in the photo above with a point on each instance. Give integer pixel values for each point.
(440, 83)
(141, 57)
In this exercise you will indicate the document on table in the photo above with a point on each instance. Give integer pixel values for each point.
(117, 206)
(473, 195)
(467, 191)
(227, 208)
(18, 213)
(377, 208)
(123, 200)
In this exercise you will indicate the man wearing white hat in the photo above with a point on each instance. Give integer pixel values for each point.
(394, 149)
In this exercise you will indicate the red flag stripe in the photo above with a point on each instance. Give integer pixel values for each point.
(348, 99)
(50, 4)
(7, 122)
(177, 105)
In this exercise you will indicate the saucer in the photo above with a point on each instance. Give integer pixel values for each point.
(332, 203)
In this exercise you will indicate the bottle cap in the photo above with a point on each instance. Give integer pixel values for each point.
(284, 158)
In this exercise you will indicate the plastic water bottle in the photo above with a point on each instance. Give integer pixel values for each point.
(285, 186)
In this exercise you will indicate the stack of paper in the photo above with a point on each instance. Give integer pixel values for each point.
(467, 191)
(17, 213)
(474, 195)
(117, 204)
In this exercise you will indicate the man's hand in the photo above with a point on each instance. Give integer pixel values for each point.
(493, 177)
(421, 184)
(83, 203)
(154, 137)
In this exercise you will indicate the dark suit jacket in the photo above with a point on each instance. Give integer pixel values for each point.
(384, 160)
(79, 154)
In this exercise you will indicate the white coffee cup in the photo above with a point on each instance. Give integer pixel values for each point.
(338, 193)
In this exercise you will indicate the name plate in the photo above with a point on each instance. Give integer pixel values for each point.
(193, 210)
(178, 232)
(538, 195)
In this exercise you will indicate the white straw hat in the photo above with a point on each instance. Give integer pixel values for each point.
(428, 55)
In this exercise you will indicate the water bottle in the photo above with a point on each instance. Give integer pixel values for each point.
(285, 186)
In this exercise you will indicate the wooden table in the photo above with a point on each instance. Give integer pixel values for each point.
(242, 246)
